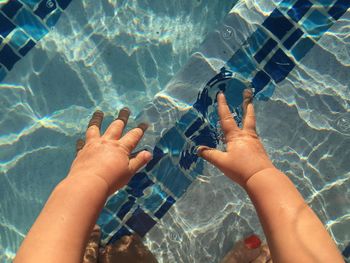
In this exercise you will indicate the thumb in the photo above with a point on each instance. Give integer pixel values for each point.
(215, 157)
(139, 160)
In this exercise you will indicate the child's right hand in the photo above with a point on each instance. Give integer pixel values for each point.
(245, 155)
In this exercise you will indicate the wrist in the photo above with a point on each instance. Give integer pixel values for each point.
(91, 186)
(261, 175)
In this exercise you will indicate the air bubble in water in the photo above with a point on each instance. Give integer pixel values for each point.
(343, 123)
(227, 32)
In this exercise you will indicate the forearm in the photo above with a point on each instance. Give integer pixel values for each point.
(62, 228)
(294, 233)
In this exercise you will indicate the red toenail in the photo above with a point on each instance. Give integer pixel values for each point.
(252, 242)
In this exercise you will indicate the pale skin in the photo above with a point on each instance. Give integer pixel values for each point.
(293, 231)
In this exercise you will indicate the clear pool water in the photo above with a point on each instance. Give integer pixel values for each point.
(105, 54)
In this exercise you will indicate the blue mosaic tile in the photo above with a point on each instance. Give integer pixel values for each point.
(30, 3)
(11, 8)
(111, 225)
(139, 182)
(186, 120)
(53, 18)
(302, 48)
(105, 218)
(140, 222)
(242, 63)
(260, 80)
(126, 207)
(279, 66)
(346, 251)
(2, 73)
(196, 124)
(158, 154)
(198, 169)
(285, 5)
(339, 9)
(171, 142)
(8, 57)
(6, 26)
(44, 8)
(256, 40)
(206, 137)
(63, 3)
(265, 50)
(194, 127)
(18, 39)
(293, 38)
(114, 203)
(30, 24)
(171, 177)
(123, 231)
(187, 158)
(165, 207)
(278, 24)
(266, 93)
(24, 50)
(326, 3)
(154, 198)
(317, 24)
(299, 9)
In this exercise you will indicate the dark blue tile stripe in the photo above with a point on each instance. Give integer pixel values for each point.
(30, 16)
(268, 66)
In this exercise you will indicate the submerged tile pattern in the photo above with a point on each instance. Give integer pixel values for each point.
(22, 24)
(266, 59)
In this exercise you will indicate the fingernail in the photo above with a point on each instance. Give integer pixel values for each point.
(143, 126)
(252, 242)
(147, 155)
(96, 119)
(200, 149)
(124, 114)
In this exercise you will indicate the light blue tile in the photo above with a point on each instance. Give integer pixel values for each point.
(266, 93)
(171, 177)
(171, 142)
(242, 63)
(53, 18)
(187, 119)
(30, 24)
(30, 3)
(302, 48)
(154, 199)
(116, 201)
(317, 24)
(18, 39)
(256, 41)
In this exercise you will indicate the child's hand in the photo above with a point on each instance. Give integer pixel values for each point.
(107, 156)
(245, 154)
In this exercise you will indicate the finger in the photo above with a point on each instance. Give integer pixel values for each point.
(249, 120)
(141, 159)
(132, 138)
(79, 145)
(211, 155)
(228, 124)
(94, 126)
(115, 130)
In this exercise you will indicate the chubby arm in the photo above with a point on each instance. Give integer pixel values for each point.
(294, 232)
(103, 165)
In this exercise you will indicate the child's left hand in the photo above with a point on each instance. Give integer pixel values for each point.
(106, 157)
